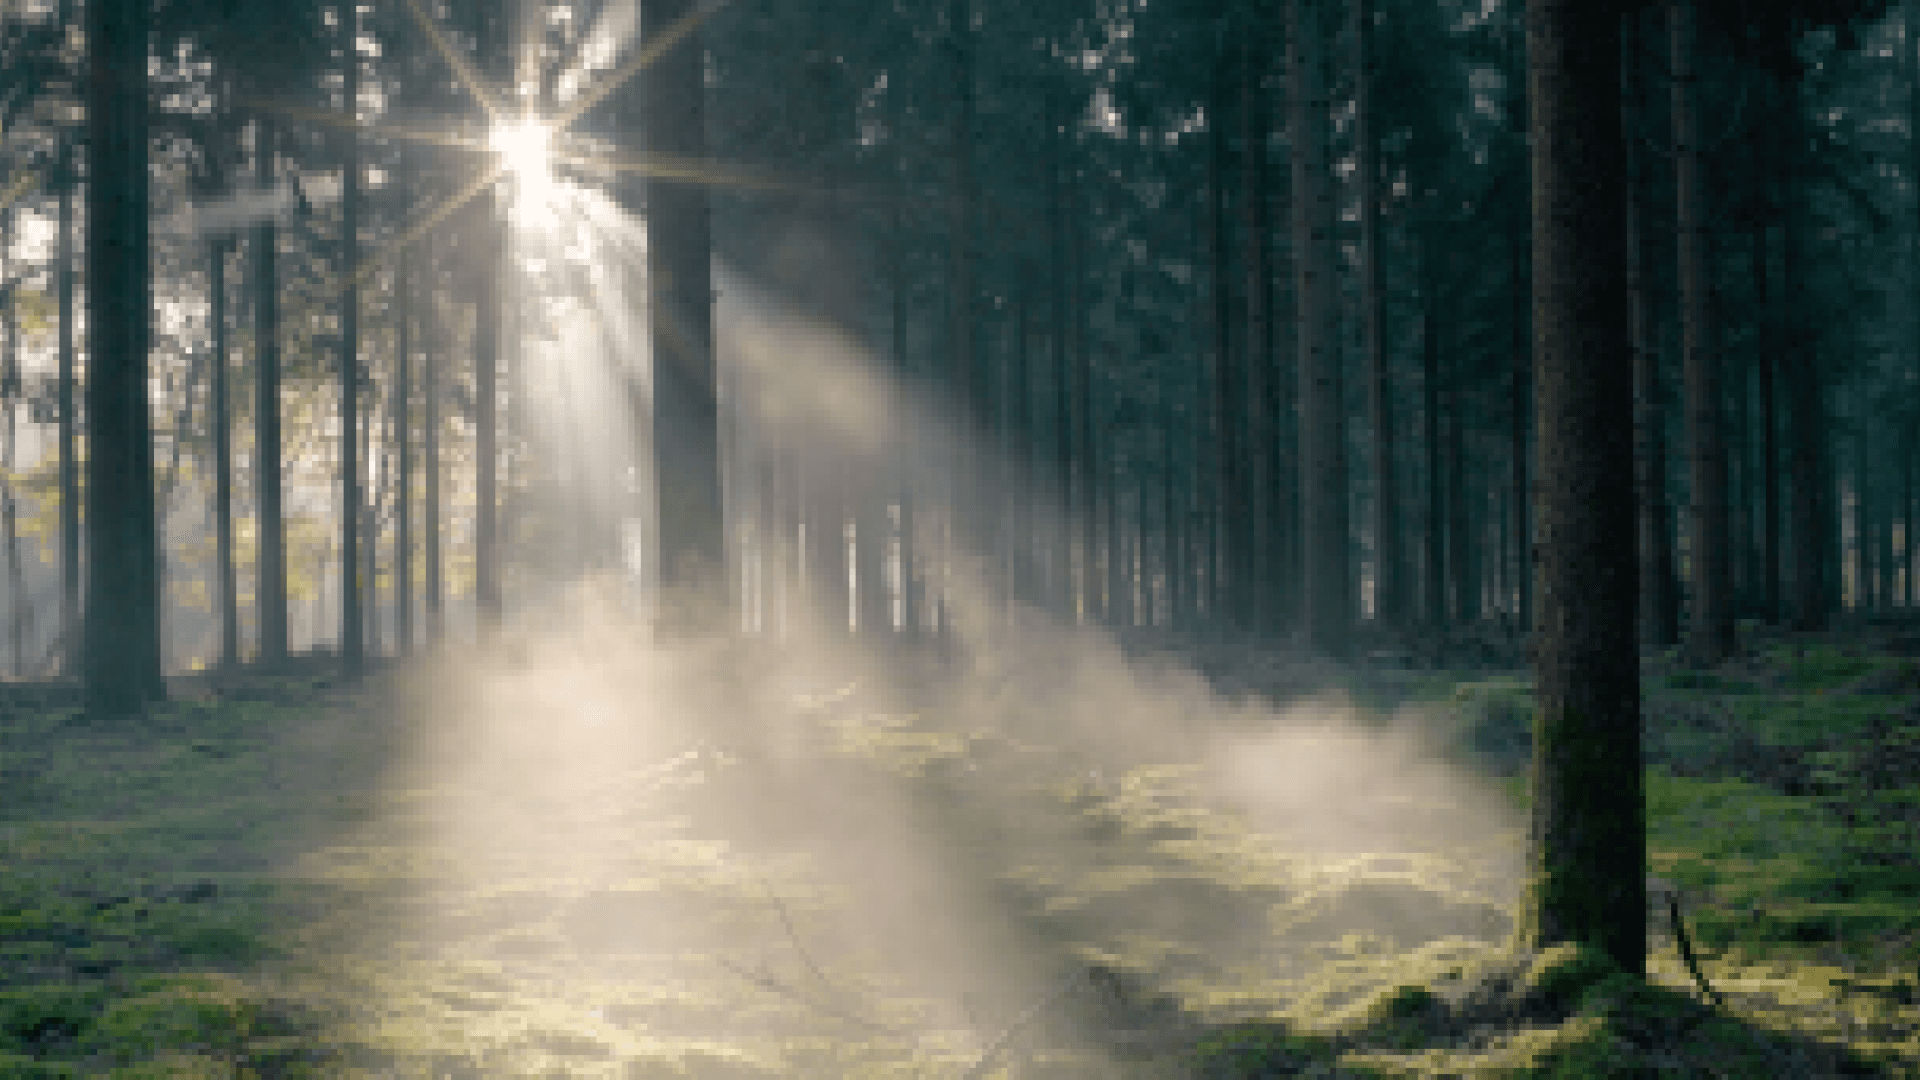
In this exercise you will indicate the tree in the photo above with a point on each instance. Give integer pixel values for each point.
(352, 644)
(121, 656)
(1326, 611)
(685, 415)
(1587, 843)
(1659, 610)
(1710, 626)
(1389, 575)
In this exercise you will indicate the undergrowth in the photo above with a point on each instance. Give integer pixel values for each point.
(246, 889)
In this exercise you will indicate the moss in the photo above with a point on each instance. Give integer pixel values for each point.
(1255, 1049)
(32, 1018)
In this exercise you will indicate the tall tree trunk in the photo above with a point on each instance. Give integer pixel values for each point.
(1806, 411)
(1769, 324)
(1437, 576)
(1234, 556)
(686, 435)
(1060, 340)
(1587, 844)
(1463, 553)
(121, 656)
(403, 438)
(432, 363)
(1710, 625)
(352, 642)
(1327, 609)
(70, 569)
(1520, 518)
(1659, 604)
(270, 565)
(217, 249)
(1389, 575)
(1262, 533)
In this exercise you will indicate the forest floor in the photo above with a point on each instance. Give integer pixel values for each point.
(1064, 856)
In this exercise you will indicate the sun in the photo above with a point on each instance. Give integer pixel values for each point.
(524, 146)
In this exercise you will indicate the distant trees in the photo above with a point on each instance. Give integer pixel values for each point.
(1138, 297)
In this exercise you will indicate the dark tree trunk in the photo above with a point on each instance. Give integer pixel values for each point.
(70, 569)
(1806, 410)
(1262, 533)
(431, 379)
(1587, 850)
(1710, 622)
(1659, 603)
(686, 448)
(1326, 607)
(1436, 543)
(352, 642)
(121, 657)
(270, 566)
(1228, 400)
(229, 598)
(403, 439)
(1765, 361)
(1389, 574)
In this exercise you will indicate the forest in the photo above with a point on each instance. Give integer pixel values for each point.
(959, 539)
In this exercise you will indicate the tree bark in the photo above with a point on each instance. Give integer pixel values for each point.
(352, 642)
(432, 362)
(270, 566)
(1659, 607)
(403, 439)
(1436, 546)
(1389, 575)
(121, 657)
(1710, 625)
(70, 568)
(1326, 610)
(686, 450)
(1587, 850)
(229, 598)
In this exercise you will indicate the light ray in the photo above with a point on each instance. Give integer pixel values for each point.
(667, 166)
(393, 247)
(457, 60)
(335, 119)
(668, 38)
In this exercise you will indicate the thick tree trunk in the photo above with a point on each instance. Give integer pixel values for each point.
(1587, 851)
(121, 656)
(679, 265)
(1327, 608)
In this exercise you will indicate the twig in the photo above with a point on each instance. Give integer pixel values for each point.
(768, 982)
(993, 1049)
(786, 919)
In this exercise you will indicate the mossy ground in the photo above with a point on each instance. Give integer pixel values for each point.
(228, 889)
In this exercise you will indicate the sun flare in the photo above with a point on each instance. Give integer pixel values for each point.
(525, 147)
